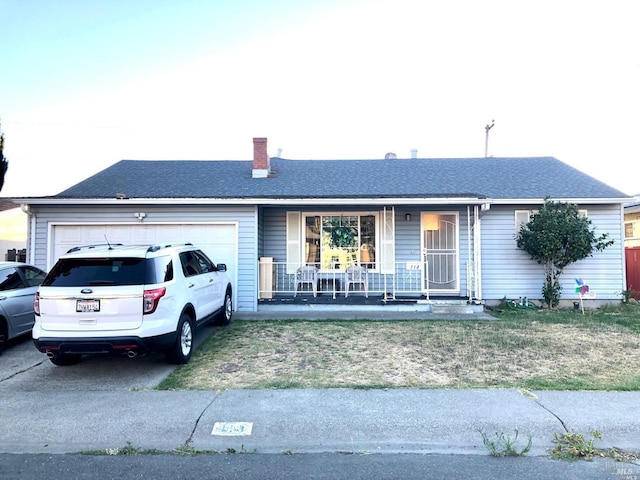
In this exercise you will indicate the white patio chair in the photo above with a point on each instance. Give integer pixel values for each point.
(356, 276)
(307, 275)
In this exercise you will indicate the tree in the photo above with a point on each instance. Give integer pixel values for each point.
(555, 237)
(4, 163)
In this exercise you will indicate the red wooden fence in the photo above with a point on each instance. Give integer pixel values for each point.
(632, 259)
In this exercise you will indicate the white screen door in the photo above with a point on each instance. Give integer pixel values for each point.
(440, 252)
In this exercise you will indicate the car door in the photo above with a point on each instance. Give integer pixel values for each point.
(197, 282)
(213, 280)
(16, 301)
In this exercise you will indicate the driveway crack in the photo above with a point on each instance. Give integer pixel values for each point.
(187, 443)
(24, 370)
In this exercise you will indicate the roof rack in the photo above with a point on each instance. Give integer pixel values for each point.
(97, 245)
(155, 248)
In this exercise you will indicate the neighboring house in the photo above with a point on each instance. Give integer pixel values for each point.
(13, 230)
(632, 224)
(423, 228)
(632, 246)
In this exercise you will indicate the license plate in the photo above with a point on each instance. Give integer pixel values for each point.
(87, 306)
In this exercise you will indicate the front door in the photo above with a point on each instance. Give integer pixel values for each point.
(440, 252)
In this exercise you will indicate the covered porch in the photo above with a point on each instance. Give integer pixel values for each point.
(356, 287)
(416, 255)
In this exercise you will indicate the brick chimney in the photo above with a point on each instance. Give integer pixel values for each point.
(261, 166)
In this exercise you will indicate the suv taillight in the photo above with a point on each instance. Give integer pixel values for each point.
(151, 299)
(36, 304)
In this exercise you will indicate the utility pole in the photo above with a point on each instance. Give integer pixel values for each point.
(486, 140)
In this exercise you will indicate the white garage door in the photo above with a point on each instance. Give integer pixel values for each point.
(218, 241)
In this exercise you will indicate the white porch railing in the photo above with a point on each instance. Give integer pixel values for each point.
(279, 278)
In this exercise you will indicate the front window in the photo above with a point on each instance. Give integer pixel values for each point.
(339, 241)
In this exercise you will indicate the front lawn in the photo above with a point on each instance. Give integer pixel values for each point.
(539, 349)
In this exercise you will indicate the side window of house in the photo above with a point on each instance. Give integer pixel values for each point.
(628, 230)
(524, 216)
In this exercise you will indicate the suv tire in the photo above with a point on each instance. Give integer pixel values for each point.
(224, 317)
(180, 351)
(64, 360)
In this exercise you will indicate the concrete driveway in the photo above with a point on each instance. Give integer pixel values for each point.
(23, 368)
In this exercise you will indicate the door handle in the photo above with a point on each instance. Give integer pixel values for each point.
(190, 285)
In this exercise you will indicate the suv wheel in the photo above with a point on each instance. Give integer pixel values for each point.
(64, 360)
(180, 352)
(224, 317)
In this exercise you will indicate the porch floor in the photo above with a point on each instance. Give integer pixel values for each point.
(358, 302)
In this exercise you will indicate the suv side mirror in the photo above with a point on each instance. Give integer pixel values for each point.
(222, 267)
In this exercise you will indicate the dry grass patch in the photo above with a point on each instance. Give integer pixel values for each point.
(511, 352)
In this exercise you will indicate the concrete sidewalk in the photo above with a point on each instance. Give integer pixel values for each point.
(282, 421)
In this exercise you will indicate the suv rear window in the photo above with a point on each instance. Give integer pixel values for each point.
(80, 272)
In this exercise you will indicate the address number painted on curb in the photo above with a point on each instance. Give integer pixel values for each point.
(232, 429)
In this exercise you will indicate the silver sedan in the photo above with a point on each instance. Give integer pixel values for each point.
(18, 285)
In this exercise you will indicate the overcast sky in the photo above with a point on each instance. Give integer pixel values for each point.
(87, 83)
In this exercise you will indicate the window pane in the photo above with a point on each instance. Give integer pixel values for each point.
(10, 280)
(159, 270)
(628, 230)
(81, 272)
(368, 240)
(33, 276)
(312, 240)
(339, 241)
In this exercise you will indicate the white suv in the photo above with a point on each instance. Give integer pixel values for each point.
(105, 299)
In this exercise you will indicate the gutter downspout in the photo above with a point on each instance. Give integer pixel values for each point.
(31, 227)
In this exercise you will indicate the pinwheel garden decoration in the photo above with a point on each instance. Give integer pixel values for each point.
(581, 289)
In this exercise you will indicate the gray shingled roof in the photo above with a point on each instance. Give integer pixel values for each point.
(7, 204)
(496, 178)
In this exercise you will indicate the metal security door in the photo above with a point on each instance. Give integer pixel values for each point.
(440, 252)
